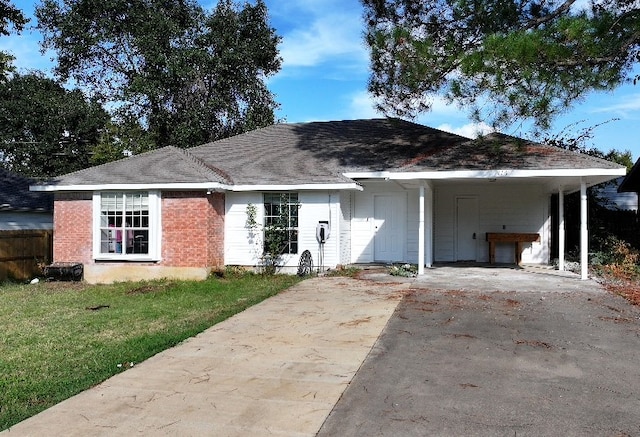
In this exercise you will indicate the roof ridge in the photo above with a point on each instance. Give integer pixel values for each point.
(206, 166)
(104, 164)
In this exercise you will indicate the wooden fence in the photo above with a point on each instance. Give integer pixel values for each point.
(24, 252)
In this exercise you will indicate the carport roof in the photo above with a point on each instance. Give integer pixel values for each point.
(329, 153)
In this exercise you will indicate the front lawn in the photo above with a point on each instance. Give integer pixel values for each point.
(58, 339)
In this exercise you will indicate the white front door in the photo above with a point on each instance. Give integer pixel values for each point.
(390, 217)
(466, 228)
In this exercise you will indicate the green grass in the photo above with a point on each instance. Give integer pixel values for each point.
(58, 339)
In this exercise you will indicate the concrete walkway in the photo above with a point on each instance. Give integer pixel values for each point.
(277, 368)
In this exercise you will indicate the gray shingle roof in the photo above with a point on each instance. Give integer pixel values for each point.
(15, 194)
(165, 165)
(499, 151)
(320, 152)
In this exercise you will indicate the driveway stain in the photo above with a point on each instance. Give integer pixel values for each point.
(459, 362)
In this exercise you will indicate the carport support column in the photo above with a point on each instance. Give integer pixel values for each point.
(429, 225)
(584, 232)
(421, 231)
(561, 230)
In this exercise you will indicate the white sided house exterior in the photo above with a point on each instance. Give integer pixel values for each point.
(385, 190)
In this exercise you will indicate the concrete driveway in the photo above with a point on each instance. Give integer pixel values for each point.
(547, 354)
(277, 368)
(460, 351)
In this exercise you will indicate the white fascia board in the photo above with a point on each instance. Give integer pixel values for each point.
(488, 174)
(196, 186)
(126, 187)
(297, 187)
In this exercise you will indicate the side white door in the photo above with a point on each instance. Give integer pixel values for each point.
(390, 217)
(466, 228)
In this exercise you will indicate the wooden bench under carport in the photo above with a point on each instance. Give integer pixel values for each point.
(509, 237)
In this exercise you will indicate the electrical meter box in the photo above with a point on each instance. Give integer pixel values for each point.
(322, 231)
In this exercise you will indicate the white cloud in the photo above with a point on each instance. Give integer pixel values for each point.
(362, 105)
(317, 31)
(469, 130)
(325, 38)
(628, 104)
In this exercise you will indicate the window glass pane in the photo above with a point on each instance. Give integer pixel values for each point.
(124, 223)
(281, 222)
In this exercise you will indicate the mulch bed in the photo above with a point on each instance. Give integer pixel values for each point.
(628, 288)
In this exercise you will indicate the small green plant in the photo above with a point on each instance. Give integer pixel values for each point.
(252, 213)
(404, 270)
(350, 271)
(276, 234)
(616, 257)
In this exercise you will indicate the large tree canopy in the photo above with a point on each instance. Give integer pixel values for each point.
(504, 60)
(11, 18)
(45, 129)
(188, 76)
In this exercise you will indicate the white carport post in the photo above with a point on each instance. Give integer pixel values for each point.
(584, 232)
(429, 226)
(421, 231)
(561, 230)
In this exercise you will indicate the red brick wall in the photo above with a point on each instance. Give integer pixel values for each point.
(216, 229)
(72, 228)
(192, 229)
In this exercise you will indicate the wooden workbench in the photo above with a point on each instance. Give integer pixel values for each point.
(509, 237)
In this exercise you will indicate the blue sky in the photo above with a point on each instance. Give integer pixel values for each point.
(325, 70)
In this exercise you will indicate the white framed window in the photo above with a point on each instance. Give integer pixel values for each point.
(126, 225)
(281, 222)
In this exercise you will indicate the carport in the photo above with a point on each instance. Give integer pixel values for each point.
(457, 195)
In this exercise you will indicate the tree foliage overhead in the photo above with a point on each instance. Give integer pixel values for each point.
(11, 18)
(187, 75)
(502, 59)
(45, 129)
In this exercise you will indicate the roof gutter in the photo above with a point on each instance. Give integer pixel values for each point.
(298, 187)
(488, 174)
(209, 187)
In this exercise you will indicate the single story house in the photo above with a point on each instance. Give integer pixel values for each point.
(21, 209)
(384, 190)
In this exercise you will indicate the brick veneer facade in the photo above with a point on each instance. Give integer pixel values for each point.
(72, 228)
(192, 229)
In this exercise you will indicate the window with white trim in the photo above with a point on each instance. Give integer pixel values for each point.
(281, 223)
(127, 225)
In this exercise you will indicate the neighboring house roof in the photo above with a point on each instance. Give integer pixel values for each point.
(612, 198)
(330, 153)
(631, 183)
(15, 194)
